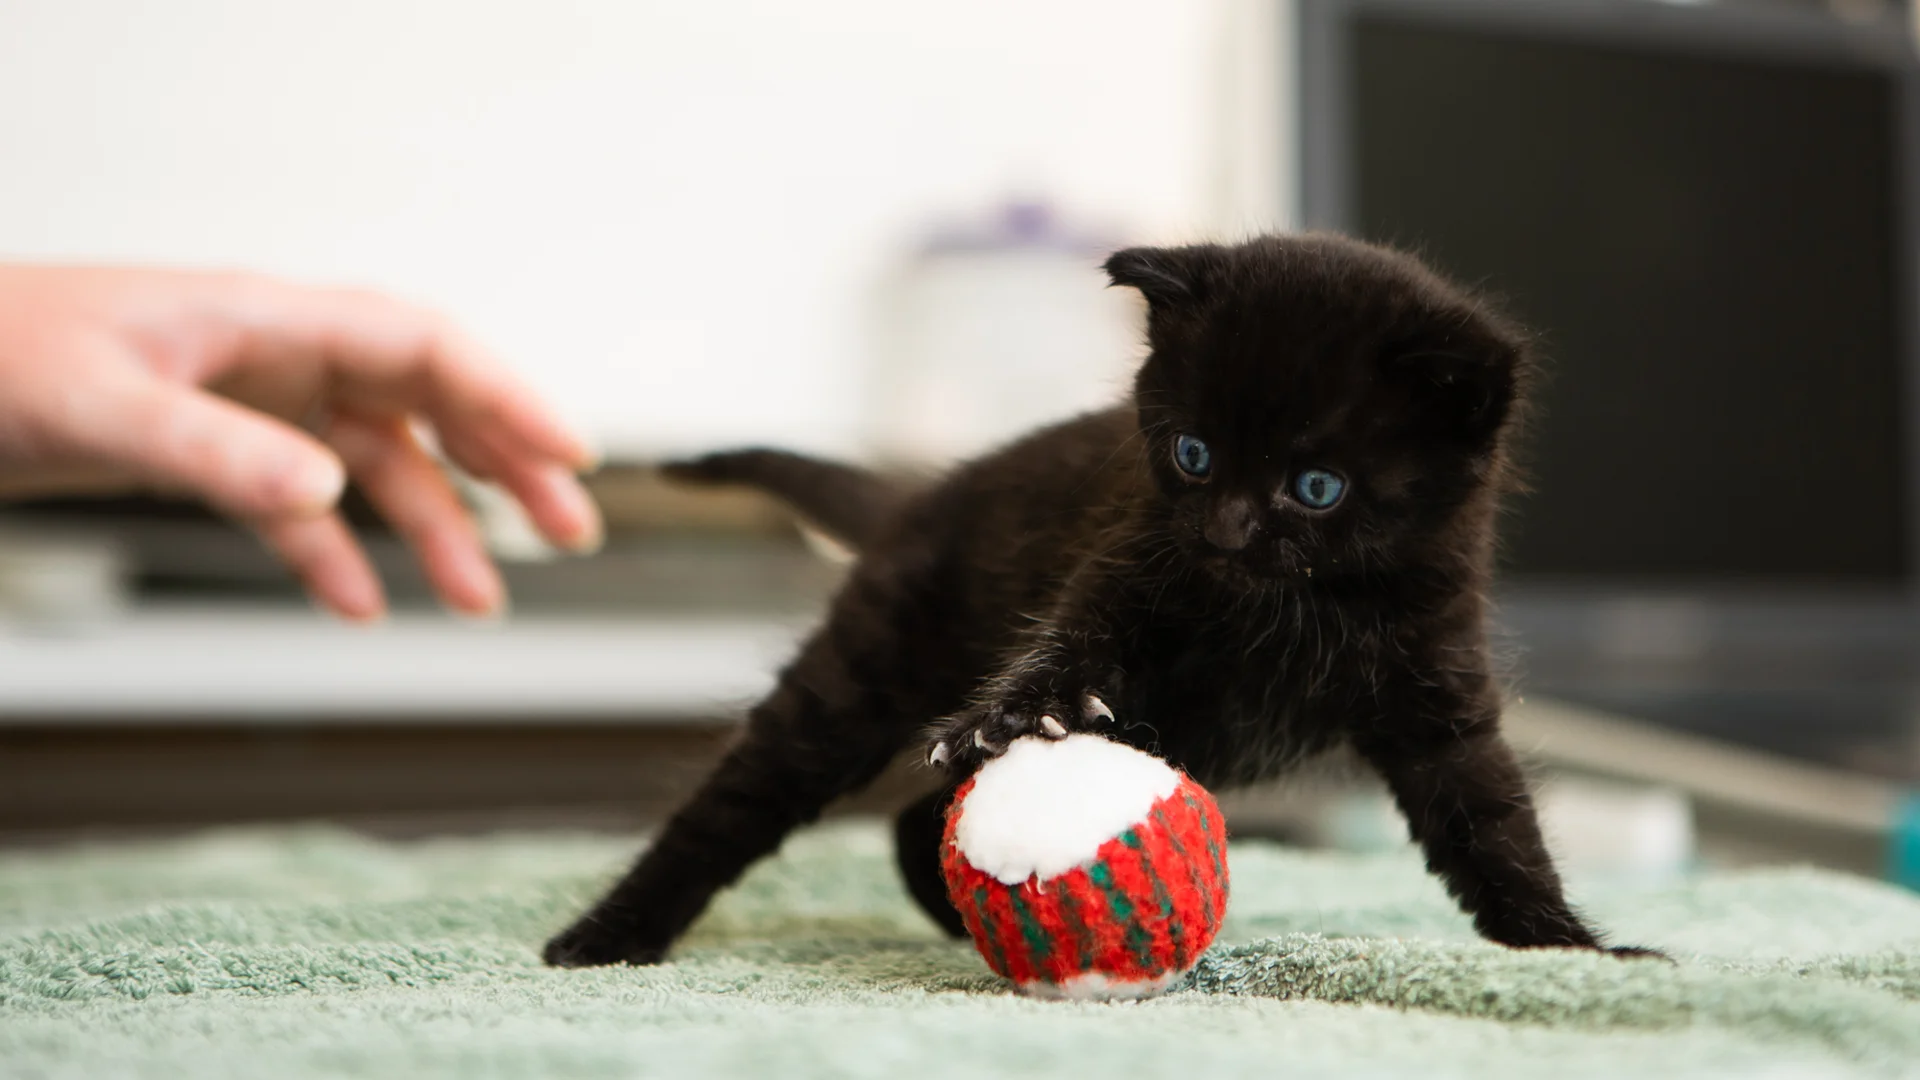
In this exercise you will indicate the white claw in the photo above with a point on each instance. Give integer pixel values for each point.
(1097, 709)
(1054, 728)
(979, 739)
(939, 755)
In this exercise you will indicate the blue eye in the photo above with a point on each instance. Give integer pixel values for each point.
(1192, 456)
(1318, 488)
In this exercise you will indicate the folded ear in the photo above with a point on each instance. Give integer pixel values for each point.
(1467, 392)
(1165, 276)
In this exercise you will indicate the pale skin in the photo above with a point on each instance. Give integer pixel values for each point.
(261, 397)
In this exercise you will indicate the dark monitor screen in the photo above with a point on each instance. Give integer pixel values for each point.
(1710, 248)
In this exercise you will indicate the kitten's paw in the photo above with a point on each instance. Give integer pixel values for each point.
(592, 944)
(968, 740)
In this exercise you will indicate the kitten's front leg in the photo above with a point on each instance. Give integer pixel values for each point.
(1467, 804)
(1065, 680)
(1037, 695)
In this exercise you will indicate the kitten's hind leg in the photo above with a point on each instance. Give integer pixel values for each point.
(918, 832)
(822, 733)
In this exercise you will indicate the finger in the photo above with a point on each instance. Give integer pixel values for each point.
(556, 503)
(412, 492)
(323, 554)
(244, 462)
(551, 493)
(387, 356)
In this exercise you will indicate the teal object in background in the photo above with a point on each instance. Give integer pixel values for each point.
(1905, 864)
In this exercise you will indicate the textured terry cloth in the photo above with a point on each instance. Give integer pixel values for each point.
(291, 953)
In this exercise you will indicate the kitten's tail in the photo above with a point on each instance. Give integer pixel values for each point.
(850, 503)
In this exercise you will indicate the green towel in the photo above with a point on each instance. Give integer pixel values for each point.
(312, 952)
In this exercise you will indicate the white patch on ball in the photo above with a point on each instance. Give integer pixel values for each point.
(1094, 986)
(1046, 806)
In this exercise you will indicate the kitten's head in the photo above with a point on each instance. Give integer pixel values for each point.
(1313, 405)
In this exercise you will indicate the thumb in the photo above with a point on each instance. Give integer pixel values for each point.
(246, 463)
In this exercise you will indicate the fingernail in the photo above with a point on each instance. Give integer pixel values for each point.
(493, 590)
(581, 507)
(592, 539)
(354, 613)
(492, 616)
(465, 576)
(591, 457)
(362, 603)
(493, 607)
(314, 484)
(570, 446)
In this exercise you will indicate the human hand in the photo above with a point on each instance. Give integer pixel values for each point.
(262, 397)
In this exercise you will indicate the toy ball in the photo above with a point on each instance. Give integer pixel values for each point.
(1086, 869)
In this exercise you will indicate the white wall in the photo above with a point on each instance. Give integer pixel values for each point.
(672, 216)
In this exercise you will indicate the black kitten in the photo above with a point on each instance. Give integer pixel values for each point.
(1282, 545)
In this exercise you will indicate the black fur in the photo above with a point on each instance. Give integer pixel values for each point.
(1226, 625)
(851, 503)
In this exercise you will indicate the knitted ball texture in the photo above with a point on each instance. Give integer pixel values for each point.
(1085, 868)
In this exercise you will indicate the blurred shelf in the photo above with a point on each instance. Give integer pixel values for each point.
(674, 549)
(1708, 769)
(1755, 806)
(251, 665)
(206, 713)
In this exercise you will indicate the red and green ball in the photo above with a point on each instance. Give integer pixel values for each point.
(1127, 921)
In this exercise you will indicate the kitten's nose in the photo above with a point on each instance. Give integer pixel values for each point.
(1231, 524)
